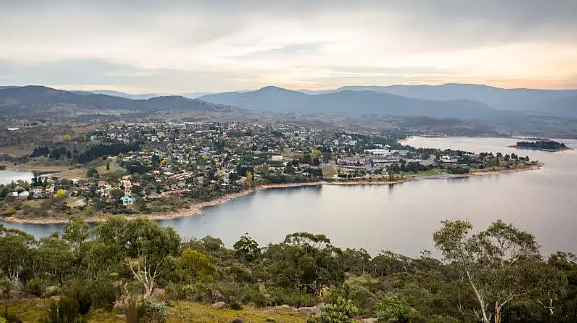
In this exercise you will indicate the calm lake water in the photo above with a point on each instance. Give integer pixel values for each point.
(7, 176)
(403, 217)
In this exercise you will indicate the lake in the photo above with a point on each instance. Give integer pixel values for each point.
(7, 176)
(403, 217)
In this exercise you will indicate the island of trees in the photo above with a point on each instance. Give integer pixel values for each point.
(547, 145)
(136, 271)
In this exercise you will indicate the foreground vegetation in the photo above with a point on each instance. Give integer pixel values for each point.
(137, 271)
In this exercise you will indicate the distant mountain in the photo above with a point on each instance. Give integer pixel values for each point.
(143, 96)
(29, 100)
(564, 107)
(498, 98)
(277, 99)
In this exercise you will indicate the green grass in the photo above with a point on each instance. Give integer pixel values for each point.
(197, 313)
(31, 310)
(431, 172)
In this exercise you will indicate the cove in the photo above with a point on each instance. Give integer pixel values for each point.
(402, 217)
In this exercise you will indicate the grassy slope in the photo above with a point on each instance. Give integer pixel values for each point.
(32, 310)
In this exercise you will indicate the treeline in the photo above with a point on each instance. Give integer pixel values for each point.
(541, 144)
(101, 150)
(135, 266)
(89, 155)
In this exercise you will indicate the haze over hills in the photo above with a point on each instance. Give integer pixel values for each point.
(353, 102)
(29, 100)
(498, 98)
(463, 101)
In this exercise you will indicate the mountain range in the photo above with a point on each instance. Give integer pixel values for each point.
(463, 101)
(31, 100)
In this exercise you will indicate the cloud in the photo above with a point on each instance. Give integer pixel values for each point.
(226, 45)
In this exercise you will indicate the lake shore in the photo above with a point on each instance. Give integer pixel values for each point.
(196, 209)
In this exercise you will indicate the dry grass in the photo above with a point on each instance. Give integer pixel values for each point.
(33, 309)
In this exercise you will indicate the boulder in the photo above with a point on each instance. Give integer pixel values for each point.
(270, 319)
(15, 294)
(217, 297)
(369, 320)
(218, 305)
(309, 310)
(51, 291)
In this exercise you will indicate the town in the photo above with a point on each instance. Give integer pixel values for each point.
(155, 168)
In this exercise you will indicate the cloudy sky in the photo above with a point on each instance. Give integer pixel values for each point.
(206, 46)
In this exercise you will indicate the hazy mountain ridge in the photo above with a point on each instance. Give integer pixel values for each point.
(347, 101)
(502, 99)
(35, 98)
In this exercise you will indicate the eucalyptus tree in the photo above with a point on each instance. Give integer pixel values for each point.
(501, 264)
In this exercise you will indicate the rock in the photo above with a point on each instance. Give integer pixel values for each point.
(40, 305)
(51, 291)
(309, 310)
(270, 319)
(369, 320)
(237, 321)
(121, 316)
(15, 294)
(55, 298)
(218, 305)
(159, 294)
(217, 297)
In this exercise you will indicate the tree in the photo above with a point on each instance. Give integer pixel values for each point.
(249, 176)
(195, 264)
(142, 244)
(246, 249)
(501, 264)
(76, 231)
(91, 172)
(60, 193)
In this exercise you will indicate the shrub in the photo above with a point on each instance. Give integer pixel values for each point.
(342, 311)
(64, 311)
(34, 286)
(80, 294)
(153, 311)
(393, 309)
(235, 306)
(3, 320)
(103, 294)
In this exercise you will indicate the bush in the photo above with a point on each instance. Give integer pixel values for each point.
(342, 311)
(80, 294)
(393, 309)
(235, 306)
(3, 320)
(153, 311)
(64, 311)
(103, 294)
(34, 287)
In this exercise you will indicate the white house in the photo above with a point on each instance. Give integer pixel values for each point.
(127, 200)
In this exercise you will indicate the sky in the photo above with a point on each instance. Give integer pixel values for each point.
(215, 45)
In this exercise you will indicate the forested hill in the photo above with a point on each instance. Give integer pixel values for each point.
(28, 100)
(134, 268)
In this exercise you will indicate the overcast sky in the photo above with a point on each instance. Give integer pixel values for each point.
(207, 46)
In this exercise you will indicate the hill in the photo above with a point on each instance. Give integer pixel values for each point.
(351, 101)
(39, 100)
(498, 98)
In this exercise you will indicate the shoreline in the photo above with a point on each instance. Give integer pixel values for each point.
(197, 208)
